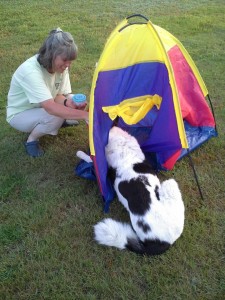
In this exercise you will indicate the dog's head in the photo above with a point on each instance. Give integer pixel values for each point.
(122, 148)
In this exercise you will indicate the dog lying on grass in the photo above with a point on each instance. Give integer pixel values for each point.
(156, 209)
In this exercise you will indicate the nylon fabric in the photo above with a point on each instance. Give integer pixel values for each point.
(133, 110)
(146, 81)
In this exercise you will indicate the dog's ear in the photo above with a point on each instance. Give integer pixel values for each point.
(136, 194)
(112, 174)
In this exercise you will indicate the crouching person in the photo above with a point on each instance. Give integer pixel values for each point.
(37, 101)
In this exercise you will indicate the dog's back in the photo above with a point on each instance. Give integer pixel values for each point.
(156, 210)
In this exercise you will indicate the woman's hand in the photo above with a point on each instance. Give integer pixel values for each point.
(70, 103)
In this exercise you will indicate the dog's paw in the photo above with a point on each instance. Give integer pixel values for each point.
(169, 189)
(83, 156)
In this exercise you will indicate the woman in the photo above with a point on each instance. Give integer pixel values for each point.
(37, 101)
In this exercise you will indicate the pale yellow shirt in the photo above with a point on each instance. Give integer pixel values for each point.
(31, 84)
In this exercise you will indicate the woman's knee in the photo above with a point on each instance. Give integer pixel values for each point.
(38, 120)
(51, 125)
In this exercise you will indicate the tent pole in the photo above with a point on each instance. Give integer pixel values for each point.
(195, 174)
(212, 110)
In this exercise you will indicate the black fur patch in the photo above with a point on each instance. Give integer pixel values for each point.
(145, 227)
(155, 247)
(135, 245)
(149, 247)
(138, 197)
(144, 168)
(157, 192)
(112, 174)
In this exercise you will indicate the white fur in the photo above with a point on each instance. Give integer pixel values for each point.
(83, 156)
(165, 216)
(122, 151)
(112, 233)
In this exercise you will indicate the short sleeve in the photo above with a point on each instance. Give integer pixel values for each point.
(35, 88)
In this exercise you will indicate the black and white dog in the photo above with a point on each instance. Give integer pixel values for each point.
(156, 210)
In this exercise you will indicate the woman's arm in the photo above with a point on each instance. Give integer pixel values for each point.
(60, 99)
(53, 107)
(69, 102)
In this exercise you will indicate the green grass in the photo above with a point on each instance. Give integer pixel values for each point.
(47, 214)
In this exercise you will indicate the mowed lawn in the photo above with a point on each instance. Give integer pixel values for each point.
(47, 213)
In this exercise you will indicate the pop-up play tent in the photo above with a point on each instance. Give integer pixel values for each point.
(147, 83)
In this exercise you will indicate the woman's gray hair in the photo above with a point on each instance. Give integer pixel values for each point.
(57, 43)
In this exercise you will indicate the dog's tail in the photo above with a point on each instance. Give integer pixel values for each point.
(121, 235)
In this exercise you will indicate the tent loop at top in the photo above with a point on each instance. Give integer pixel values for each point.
(134, 23)
(137, 15)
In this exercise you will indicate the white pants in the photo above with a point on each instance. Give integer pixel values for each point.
(37, 118)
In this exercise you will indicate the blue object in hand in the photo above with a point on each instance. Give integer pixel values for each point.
(79, 99)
